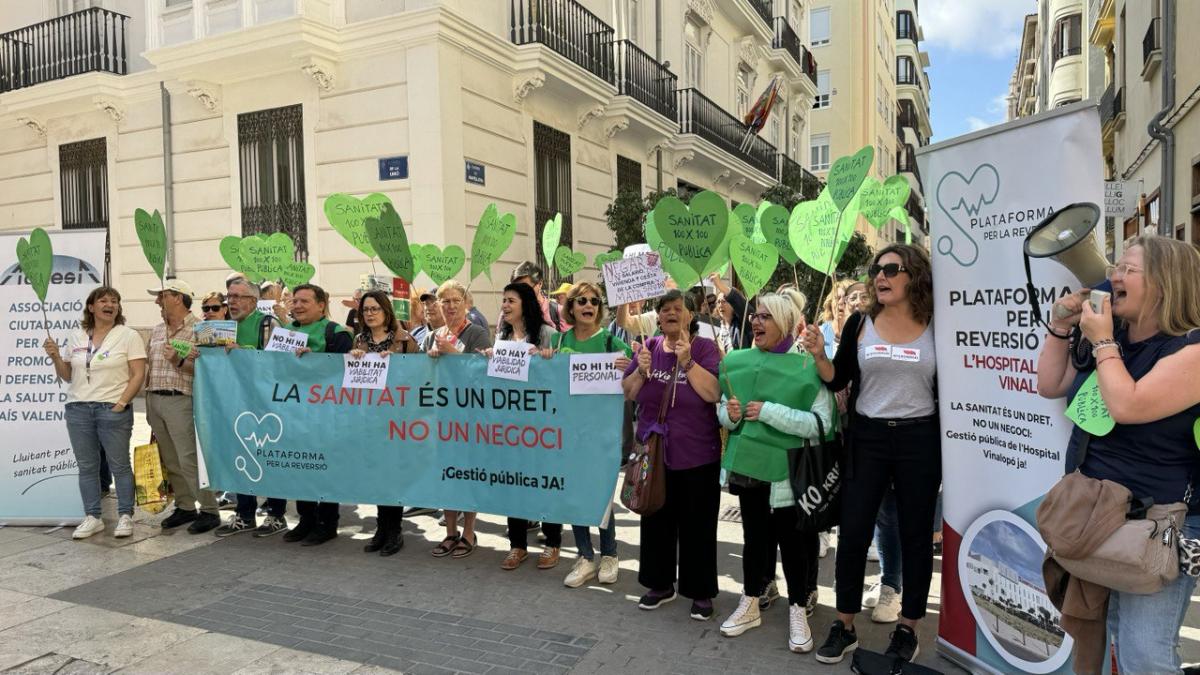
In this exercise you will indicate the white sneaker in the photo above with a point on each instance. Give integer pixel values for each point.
(827, 543)
(745, 617)
(608, 569)
(581, 573)
(887, 610)
(873, 554)
(90, 525)
(124, 526)
(871, 595)
(800, 639)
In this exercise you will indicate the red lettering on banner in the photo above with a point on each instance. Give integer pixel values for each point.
(314, 394)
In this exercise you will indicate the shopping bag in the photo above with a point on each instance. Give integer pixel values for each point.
(151, 489)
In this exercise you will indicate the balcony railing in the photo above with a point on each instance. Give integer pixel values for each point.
(1152, 42)
(906, 161)
(1112, 104)
(641, 77)
(569, 29)
(787, 40)
(763, 9)
(698, 115)
(909, 77)
(809, 65)
(795, 176)
(83, 42)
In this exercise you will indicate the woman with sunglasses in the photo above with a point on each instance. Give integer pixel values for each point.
(773, 400)
(679, 369)
(887, 356)
(583, 311)
(214, 307)
(380, 333)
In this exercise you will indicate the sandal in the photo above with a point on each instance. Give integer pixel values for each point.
(463, 548)
(443, 549)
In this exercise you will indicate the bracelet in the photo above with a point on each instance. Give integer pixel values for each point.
(1107, 358)
(1104, 344)
(689, 365)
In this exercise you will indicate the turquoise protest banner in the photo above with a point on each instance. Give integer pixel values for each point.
(442, 434)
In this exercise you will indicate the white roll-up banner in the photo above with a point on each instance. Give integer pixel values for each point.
(1003, 446)
(39, 479)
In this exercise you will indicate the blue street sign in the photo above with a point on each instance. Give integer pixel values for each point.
(475, 173)
(393, 168)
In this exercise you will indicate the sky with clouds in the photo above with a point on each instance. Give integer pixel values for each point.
(972, 47)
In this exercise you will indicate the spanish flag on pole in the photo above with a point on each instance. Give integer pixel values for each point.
(756, 119)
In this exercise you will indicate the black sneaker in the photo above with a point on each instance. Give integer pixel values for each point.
(299, 532)
(419, 511)
(235, 526)
(179, 517)
(272, 525)
(319, 535)
(839, 643)
(656, 599)
(702, 610)
(204, 522)
(769, 596)
(903, 645)
(810, 605)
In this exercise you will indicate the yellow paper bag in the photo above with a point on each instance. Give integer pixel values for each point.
(151, 491)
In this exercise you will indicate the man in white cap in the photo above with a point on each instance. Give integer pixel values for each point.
(169, 372)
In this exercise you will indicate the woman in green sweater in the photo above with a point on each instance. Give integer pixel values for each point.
(772, 400)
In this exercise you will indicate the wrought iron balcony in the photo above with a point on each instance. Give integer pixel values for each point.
(1112, 104)
(83, 42)
(809, 64)
(763, 9)
(795, 176)
(645, 80)
(906, 161)
(699, 115)
(569, 29)
(787, 40)
(1152, 42)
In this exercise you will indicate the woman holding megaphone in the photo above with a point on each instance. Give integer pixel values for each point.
(1146, 364)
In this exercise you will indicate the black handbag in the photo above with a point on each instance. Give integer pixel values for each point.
(815, 475)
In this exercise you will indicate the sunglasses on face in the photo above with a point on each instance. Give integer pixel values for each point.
(889, 270)
(212, 308)
(590, 300)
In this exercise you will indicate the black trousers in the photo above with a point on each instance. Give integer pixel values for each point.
(518, 534)
(683, 530)
(908, 458)
(248, 504)
(764, 529)
(389, 517)
(320, 514)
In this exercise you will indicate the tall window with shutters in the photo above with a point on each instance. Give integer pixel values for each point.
(552, 186)
(83, 181)
(693, 57)
(629, 175)
(271, 161)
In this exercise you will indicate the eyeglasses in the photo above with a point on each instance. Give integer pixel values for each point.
(1122, 269)
(235, 296)
(373, 309)
(761, 317)
(589, 300)
(212, 308)
(889, 270)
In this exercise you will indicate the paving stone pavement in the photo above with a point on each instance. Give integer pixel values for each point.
(176, 603)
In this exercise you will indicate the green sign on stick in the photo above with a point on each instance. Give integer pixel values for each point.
(266, 258)
(608, 257)
(551, 237)
(492, 238)
(753, 261)
(568, 262)
(387, 237)
(1088, 410)
(36, 258)
(847, 175)
(695, 230)
(441, 265)
(152, 234)
(773, 222)
(347, 215)
(675, 266)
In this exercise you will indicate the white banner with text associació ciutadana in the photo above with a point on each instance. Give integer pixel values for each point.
(1003, 446)
(39, 482)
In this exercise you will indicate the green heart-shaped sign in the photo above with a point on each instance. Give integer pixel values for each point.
(1088, 410)
(896, 190)
(387, 237)
(753, 261)
(36, 258)
(873, 202)
(745, 216)
(492, 238)
(602, 258)
(266, 258)
(347, 215)
(152, 234)
(568, 262)
(720, 258)
(442, 264)
(415, 251)
(552, 236)
(847, 174)
(675, 267)
(696, 230)
(773, 222)
(816, 229)
(295, 273)
(229, 252)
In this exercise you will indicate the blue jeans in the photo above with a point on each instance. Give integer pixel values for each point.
(887, 541)
(608, 539)
(95, 431)
(1146, 627)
